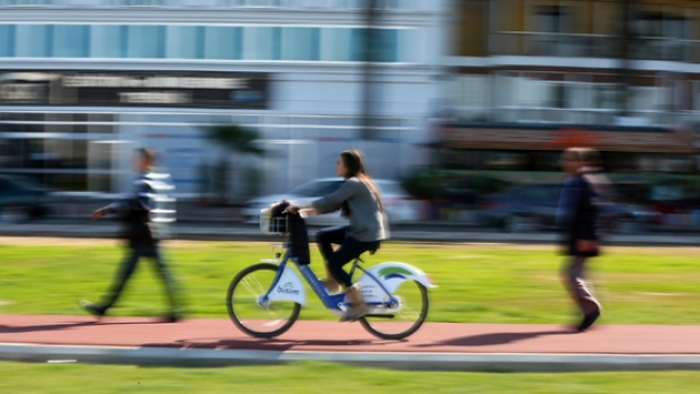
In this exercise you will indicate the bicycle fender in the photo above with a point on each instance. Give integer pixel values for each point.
(391, 275)
(289, 288)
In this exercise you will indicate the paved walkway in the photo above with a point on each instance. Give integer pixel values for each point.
(452, 346)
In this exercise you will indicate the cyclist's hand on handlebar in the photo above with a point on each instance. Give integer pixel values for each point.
(293, 209)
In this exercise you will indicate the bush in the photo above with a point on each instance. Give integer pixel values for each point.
(422, 183)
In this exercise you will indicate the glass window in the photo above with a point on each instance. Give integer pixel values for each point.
(108, 41)
(184, 42)
(408, 45)
(32, 153)
(68, 182)
(80, 124)
(222, 42)
(552, 19)
(7, 40)
(145, 41)
(10, 153)
(300, 43)
(261, 43)
(336, 44)
(33, 41)
(71, 41)
(385, 45)
(65, 154)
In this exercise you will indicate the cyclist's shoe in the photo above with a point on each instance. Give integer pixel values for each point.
(93, 309)
(358, 307)
(331, 285)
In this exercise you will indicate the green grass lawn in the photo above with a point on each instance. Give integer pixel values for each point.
(313, 377)
(477, 283)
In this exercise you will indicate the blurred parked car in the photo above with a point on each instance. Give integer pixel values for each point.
(533, 207)
(468, 189)
(399, 205)
(20, 200)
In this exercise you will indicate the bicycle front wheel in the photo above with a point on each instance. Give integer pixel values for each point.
(403, 320)
(253, 315)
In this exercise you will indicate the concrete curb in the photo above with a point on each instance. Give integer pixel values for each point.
(166, 356)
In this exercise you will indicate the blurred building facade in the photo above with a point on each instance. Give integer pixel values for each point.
(529, 77)
(82, 82)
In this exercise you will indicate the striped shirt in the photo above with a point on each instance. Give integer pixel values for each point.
(151, 202)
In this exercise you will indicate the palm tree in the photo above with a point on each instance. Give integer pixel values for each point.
(236, 140)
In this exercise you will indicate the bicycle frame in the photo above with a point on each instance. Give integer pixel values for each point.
(334, 301)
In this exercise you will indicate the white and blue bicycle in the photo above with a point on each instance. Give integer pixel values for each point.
(264, 299)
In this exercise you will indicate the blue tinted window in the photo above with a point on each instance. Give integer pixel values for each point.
(300, 43)
(108, 41)
(33, 41)
(145, 41)
(222, 42)
(407, 50)
(184, 42)
(335, 44)
(204, 42)
(261, 43)
(71, 41)
(7, 40)
(358, 42)
(385, 45)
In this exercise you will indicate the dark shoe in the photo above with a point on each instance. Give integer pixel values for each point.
(171, 319)
(588, 321)
(93, 309)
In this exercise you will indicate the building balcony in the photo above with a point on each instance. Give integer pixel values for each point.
(574, 116)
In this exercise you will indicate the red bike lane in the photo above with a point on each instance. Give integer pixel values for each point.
(331, 336)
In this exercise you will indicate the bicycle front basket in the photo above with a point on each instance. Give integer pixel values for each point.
(278, 225)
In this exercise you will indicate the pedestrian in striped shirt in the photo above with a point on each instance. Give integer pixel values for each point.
(147, 214)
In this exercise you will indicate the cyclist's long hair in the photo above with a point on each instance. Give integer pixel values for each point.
(353, 162)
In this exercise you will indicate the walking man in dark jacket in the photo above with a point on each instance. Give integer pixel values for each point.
(577, 219)
(147, 213)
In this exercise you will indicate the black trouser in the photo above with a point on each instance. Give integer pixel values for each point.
(349, 249)
(135, 252)
(575, 282)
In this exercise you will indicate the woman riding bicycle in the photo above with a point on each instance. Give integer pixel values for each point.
(359, 202)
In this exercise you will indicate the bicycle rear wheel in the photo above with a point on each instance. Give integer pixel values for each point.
(255, 318)
(406, 318)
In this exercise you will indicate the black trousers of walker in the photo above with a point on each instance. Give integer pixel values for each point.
(135, 252)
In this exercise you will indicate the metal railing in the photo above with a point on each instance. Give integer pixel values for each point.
(525, 43)
(580, 116)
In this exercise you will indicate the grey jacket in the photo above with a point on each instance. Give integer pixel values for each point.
(367, 223)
